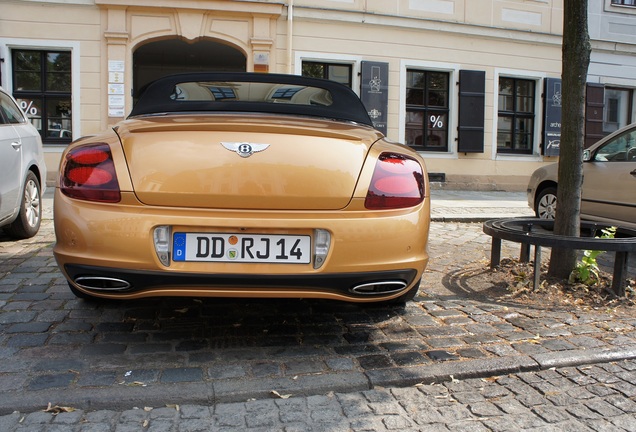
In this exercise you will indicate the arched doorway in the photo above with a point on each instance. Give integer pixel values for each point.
(170, 56)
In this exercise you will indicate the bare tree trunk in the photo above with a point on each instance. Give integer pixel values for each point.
(576, 59)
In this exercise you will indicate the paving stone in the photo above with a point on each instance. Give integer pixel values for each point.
(376, 361)
(24, 340)
(602, 407)
(30, 327)
(177, 375)
(408, 358)
(340, 363)
(304, 366)
(96, 379)
(438, 355)
(103, 349)
(484, 409)
(43, 382)
(551, 414)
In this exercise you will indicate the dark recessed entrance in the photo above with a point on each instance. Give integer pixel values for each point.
(157, 59)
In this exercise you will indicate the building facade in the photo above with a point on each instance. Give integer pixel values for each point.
(471, 84)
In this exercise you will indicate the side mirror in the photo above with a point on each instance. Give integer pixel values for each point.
(587, 155)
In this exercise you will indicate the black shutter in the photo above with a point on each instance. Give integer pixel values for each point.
(594, 106)
(472, 97)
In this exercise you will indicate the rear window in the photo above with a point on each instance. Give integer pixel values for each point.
(251, 93)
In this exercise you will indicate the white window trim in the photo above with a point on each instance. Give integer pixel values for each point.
(354, 61)
(609, 7)
(8, 44)
(453, 94)
(537, 77)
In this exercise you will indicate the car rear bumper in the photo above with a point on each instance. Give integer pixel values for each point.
(131, 284)
(116, 241)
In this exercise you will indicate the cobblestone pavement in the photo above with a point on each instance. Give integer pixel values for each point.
(449, 360)
(591, 398)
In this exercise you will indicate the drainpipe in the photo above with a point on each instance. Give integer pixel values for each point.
(290, 31)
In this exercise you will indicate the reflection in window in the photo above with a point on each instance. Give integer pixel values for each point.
(620, 149)
(427, 96)
(617, 109)
(9, 111)
(332, 71)
(286, 92)
(515, 122)
(42, 87)
(221, 93)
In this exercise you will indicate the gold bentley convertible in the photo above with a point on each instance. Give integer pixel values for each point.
(243, 185)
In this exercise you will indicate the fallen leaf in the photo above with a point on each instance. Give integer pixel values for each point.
(275, 393)
(55, 410)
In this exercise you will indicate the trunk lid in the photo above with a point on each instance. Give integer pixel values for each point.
(204, 162)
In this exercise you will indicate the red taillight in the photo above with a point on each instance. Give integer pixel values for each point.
(88, 173)
(398, 182)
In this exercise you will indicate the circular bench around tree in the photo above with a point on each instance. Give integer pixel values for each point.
(538, 233)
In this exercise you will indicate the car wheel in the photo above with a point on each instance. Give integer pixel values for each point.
(545, 207)
(28, 221)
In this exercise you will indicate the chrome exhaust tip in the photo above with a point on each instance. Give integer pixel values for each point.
(102, 283)
(376, 288)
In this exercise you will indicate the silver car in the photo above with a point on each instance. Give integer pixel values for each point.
(22, 171)
(609, 182)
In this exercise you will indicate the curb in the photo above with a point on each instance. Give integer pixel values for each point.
(406, 377)
(202, 393)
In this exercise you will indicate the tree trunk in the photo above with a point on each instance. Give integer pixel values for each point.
(575, 62)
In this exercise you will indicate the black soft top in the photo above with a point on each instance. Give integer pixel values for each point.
(251, 92)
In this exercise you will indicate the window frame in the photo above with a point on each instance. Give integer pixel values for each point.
(432, 110)
(326, 65)
(453, 103)
(538, 78)
(7, 45)
(336, 59)
(626, 3)
(44, 94)
(628, 107)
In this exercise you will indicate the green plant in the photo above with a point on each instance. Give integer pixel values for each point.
(586, 270)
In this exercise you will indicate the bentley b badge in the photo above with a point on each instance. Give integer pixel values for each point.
(244, 149)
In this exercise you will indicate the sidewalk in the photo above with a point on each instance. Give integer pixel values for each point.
(446, 205)
(477, 206)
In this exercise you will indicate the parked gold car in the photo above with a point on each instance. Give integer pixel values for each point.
(243, 185)
(609, 182)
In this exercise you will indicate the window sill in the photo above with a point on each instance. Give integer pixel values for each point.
(518, 157)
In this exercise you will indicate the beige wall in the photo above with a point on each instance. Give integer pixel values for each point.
(512, 38)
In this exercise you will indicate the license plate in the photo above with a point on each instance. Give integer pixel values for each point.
(245, 248)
